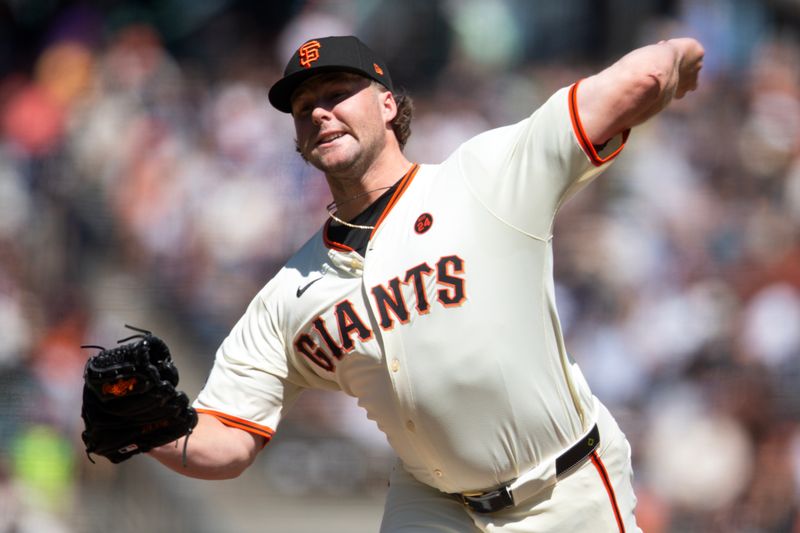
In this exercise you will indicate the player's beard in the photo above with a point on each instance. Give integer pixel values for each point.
(350, 159)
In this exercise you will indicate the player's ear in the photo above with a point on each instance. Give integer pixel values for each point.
(388, 105)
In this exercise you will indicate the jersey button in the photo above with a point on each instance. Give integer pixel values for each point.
(410, 425)
(395, 365)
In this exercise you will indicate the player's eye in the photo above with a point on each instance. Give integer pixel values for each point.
(301, 109)
(337, 95)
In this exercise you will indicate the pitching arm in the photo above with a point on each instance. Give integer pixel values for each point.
(638, 86)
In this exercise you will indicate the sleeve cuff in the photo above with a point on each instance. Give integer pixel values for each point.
(611, 149)
(240, 423)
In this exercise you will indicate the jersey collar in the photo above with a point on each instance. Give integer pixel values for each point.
(405, 181)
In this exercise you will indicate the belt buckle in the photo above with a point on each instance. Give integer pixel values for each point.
(489, 502)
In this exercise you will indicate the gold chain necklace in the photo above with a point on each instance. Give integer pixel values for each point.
(333, 204)
(349, 225)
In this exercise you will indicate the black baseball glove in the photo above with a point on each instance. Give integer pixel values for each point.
(130, 404)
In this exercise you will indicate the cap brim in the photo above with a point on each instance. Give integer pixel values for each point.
(280, 94)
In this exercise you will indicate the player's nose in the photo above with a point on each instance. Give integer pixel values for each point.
(320, 113)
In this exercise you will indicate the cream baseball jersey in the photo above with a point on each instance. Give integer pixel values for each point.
(446, 330)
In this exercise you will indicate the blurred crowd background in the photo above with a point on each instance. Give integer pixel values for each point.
(145, 180)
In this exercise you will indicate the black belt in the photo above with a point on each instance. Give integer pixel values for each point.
(502, 498)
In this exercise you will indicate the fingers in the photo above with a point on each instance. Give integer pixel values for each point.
(691, 54)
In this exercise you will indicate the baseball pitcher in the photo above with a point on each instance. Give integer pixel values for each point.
(428, 295)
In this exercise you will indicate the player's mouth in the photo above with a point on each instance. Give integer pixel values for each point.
(329, 138)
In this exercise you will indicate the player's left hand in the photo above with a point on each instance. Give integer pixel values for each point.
(130, 404)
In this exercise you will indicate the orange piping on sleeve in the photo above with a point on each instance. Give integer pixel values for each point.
(240, 423)
(580, 133)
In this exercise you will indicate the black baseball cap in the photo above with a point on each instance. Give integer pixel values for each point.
(327, 54)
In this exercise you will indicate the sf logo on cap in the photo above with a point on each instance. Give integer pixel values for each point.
(309, 53)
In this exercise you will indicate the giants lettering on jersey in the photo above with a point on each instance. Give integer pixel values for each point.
(334, 341)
